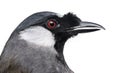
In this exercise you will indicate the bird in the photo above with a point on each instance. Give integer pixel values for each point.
(37, 43)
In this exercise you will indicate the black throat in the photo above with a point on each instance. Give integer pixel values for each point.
(59, 46)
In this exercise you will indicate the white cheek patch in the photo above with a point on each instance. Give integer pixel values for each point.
(39, 36)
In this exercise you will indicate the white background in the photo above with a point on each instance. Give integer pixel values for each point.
(96, 52)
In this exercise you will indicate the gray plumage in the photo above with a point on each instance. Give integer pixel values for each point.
(19, 55)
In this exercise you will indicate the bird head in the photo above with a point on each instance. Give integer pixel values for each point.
(48, 29)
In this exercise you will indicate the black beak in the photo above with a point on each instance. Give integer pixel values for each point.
(85, 27)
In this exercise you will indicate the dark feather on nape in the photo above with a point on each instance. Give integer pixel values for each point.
(72, 19)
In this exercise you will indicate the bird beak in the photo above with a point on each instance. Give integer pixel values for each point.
(85, 27)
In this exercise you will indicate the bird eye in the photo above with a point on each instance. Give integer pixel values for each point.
(51, 24)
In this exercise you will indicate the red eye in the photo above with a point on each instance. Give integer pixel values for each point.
(51, 24)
